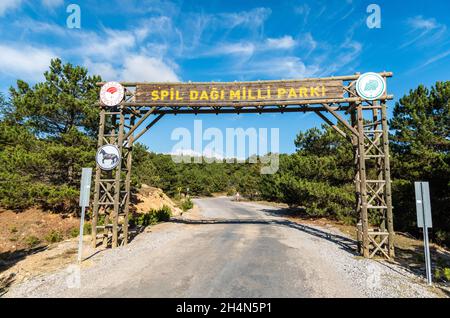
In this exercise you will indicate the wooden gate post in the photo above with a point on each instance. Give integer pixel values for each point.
(117, 180)
(98, 171)
(356, 180)
(129, 156)
(363, 184)
(387, 176)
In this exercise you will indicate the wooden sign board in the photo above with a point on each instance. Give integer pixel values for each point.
(287, 92)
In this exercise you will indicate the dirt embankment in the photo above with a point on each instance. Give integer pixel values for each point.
(20, 231)
(24, 232)
(151, 198)
(26, 238)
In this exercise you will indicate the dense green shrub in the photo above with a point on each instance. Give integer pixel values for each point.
(151, 217)
(163, 214)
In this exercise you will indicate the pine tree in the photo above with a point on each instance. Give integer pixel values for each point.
(64, 102)
(421, 145)
(46, 136)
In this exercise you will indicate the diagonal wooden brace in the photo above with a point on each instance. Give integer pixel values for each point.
(335, 127)
(140, 121)
(342, 120)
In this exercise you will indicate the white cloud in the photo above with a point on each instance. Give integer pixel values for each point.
(303, 10)
(420, 23)
(285, 42)
(116, 54)
(140, 68)
(25, 62)
(52, 3)
(253, 19)
(240, 48)
(155, 26)
(308, 43)
(147, 69)
(105, 70)
(430, 61)
(424, 31)
(246, 49)
(288, 67)
(198, 32)
(344, 59)
(144, 51)
(110, 45)
(6, 5)
(436, 58)
(32, 26)
(280, 67)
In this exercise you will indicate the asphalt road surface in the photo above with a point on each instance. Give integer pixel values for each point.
(228, 249)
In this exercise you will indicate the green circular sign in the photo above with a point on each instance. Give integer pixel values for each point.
(370, 86)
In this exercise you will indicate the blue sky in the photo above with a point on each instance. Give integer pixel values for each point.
(225, 41)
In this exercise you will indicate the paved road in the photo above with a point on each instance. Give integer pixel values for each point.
(226, 260)
(226, 249)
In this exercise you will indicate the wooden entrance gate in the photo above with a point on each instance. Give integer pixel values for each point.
(333, 99)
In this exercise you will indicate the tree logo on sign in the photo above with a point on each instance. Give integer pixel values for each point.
(370, 86)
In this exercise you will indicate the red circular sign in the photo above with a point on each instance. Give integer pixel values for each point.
(112, 93)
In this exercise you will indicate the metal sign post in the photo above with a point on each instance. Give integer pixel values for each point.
(423, 208)
(85, 191)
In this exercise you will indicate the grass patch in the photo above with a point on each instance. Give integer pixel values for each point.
(442, 274)
(74, 232)
(32, 241)
(87, 229)
(54, 237)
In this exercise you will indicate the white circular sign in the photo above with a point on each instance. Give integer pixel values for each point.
(108, 157)
(370, 86)
(112, 93)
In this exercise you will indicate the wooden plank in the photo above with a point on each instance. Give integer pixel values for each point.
(237, 93)
(260, 103)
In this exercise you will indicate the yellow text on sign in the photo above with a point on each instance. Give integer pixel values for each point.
(239, 94)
